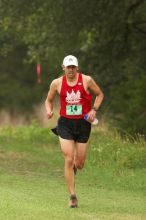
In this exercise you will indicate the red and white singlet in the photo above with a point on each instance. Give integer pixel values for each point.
(75, 102)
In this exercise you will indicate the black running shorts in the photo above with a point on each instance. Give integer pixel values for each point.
(74, 129)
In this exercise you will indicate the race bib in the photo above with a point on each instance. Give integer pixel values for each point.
(74, 110)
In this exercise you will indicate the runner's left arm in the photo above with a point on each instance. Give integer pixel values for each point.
(95, 90)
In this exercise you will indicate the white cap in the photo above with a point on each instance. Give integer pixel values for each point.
(70, 60)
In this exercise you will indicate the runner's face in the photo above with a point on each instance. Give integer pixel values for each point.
(71, 71)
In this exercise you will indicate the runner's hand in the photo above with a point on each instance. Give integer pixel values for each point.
(49, 115)
(91, 115)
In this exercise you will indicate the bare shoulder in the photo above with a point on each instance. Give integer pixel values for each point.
(87, 80)
(56, 84)
(86, 77)
(57, 81)
(90, 85)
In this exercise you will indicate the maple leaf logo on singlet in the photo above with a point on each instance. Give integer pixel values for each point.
(73, 97)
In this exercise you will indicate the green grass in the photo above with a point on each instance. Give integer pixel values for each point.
(112, 185)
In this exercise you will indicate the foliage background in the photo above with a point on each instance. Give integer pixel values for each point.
(108, 37)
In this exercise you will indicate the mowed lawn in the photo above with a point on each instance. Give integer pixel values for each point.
(32, 185)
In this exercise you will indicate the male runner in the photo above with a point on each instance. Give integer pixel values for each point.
(75, 90)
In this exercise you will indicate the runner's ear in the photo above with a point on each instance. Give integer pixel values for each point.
(63, 67)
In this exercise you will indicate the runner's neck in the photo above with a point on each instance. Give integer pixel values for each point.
(72, 81)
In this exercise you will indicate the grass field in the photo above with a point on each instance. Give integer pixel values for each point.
(112, 186)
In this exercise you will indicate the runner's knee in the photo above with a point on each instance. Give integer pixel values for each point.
(80, 164)
(69, 161)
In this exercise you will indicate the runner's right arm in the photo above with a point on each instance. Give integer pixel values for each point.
(50, 97)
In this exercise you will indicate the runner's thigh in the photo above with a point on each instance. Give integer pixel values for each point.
(67, 147)
(81, 150)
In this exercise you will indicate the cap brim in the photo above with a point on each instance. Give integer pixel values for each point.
(70, 64)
